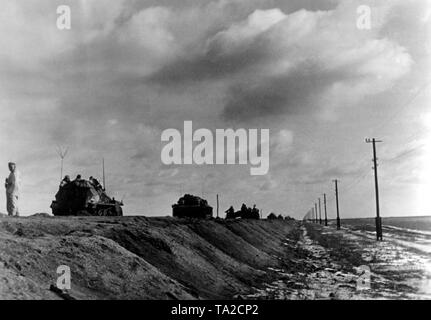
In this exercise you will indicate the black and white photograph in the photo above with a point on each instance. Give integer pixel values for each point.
(215, 150)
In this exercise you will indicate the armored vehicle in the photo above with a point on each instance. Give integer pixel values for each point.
(192, 207)
(84, 198)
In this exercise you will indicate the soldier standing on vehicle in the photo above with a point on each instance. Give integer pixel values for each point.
(65, 181)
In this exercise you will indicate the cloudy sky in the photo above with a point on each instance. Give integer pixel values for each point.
(129, 69)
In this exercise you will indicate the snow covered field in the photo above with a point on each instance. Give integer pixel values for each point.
(351, 264)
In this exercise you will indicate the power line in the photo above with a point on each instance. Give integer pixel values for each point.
(403, 107)
(352, 185)
(402, 155)
(363, 172)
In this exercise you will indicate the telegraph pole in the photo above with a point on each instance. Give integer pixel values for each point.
(336, 201)
(217, 205)
(320, 213)
(326, 215)
(379, 231)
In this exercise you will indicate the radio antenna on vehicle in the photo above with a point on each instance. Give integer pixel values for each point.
(62, 152)
(103, 174)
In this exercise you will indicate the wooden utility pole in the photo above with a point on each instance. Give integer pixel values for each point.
(336, 201)
(217, 205)
(103, 173)
(320, 213)
(326, 215)
(379, 231)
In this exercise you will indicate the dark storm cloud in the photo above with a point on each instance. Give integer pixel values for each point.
(295, 92)
(270, 67)
(204, 67)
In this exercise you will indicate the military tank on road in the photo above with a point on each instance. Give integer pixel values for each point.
(190, 206)
(84, 198)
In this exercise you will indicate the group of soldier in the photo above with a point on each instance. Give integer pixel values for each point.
(93, 181)
(244, 213)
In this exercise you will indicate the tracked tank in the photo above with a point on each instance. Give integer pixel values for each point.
(84, 198)
(190, 206)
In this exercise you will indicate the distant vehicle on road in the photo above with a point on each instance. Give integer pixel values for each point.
(190, 206)
(84, 198)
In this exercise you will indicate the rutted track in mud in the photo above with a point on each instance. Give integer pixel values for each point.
(324, 279)
(348, 264)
